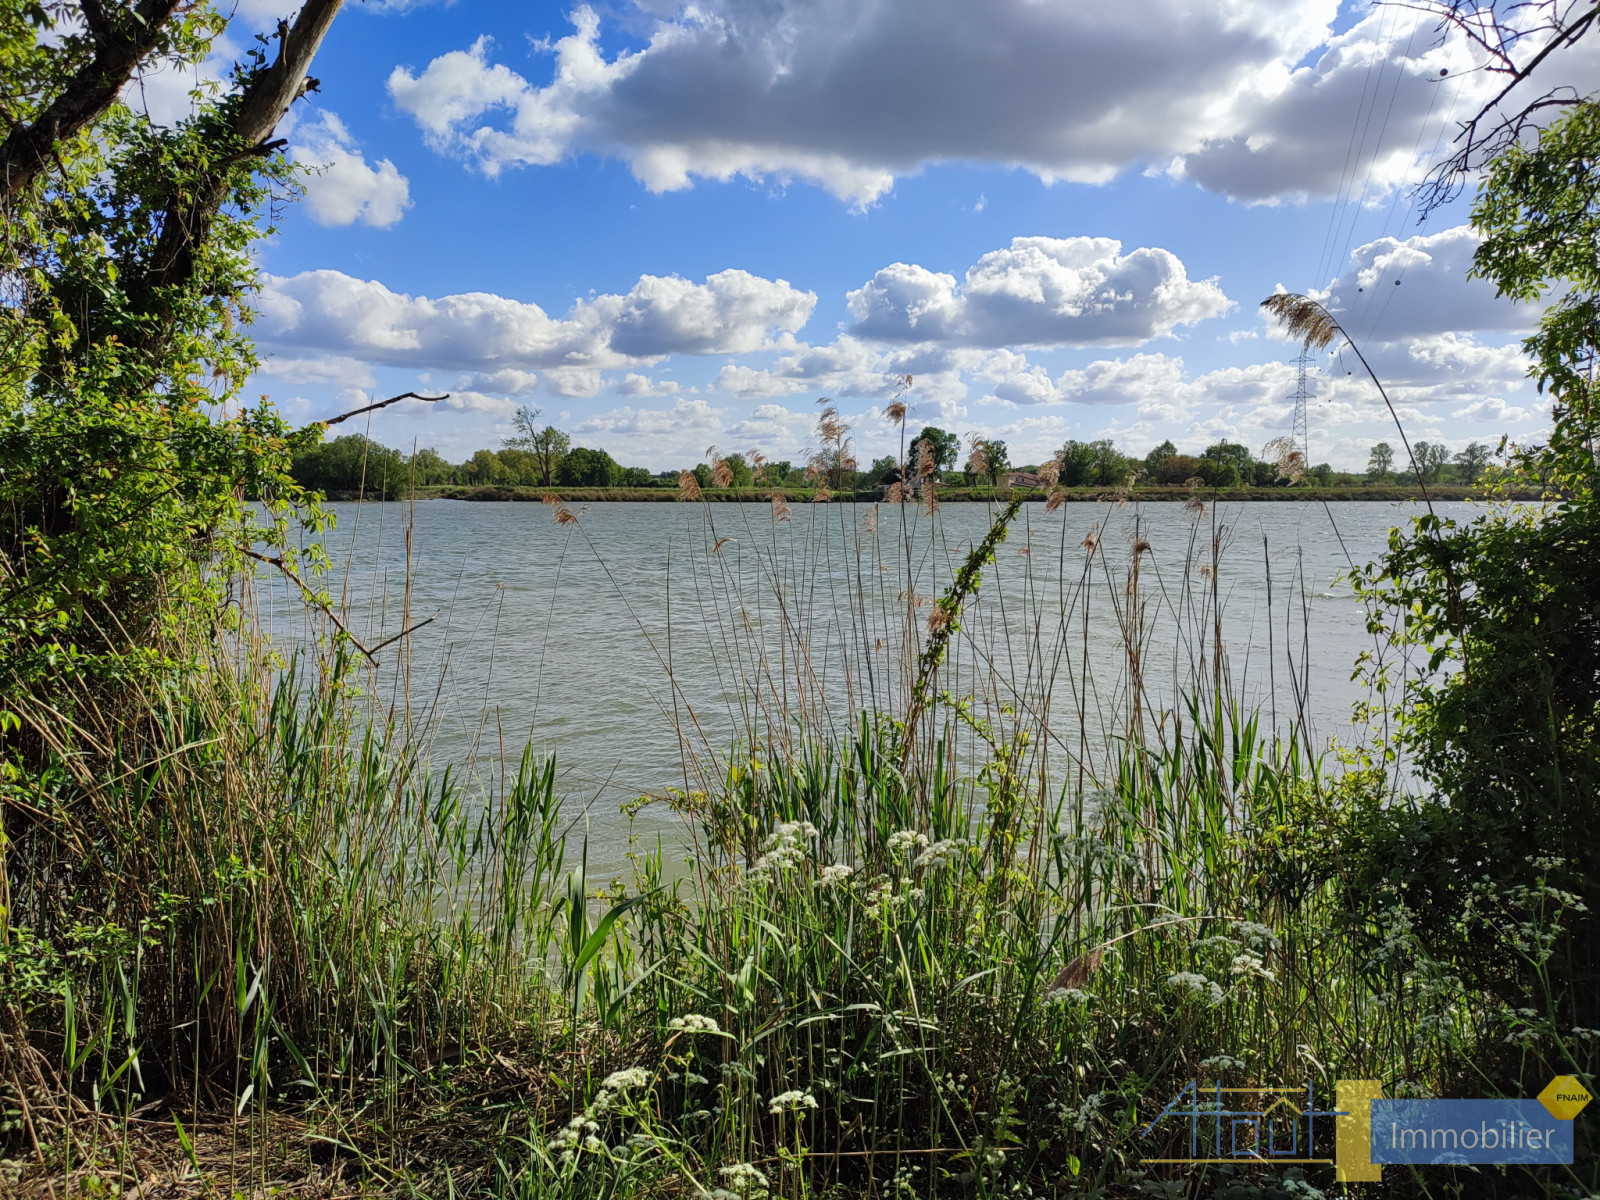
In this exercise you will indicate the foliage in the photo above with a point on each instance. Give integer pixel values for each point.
(945, 448)
(127, 454)
(545, 447)
(1470, 461)
(739, 470)
(1093, 464)
(351, 464)
(1380, 462)
(1506, 723)
(587, 467)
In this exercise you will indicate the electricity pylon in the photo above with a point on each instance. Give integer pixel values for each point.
(1302, 393)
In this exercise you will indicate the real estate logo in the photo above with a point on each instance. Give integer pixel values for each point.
(1279, 1126)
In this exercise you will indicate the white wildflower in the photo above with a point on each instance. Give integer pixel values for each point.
(1067, 995)
(792, 1102)
(694, 1023)
(1256, 936)
(835, 874)
(1196, 985)
(1221, 1062)
(905, 841)
(941, 853)
(743, 1174)
(1250, 965)
(621, 1081)
(785, 846)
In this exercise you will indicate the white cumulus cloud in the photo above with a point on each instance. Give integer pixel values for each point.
(1433, 293)
(731, 312)
(343, 188)
(1039, 291)
(1256, 99)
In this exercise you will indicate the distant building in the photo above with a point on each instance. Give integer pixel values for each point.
(1020, 479)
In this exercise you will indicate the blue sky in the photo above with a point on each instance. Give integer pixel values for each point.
(673, 227)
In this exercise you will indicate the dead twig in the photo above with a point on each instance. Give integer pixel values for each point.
(356, 412)
(316, 600)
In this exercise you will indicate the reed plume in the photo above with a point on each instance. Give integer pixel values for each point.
(688, 486)
(978, 457)
(1304, 318)
(1287, 457)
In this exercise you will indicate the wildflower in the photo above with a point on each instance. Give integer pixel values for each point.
(834, 874)
(1197, 985)
(793, 1101)
(941, 853)
(1066, 995)
(1257, 937)
(1250, 965)
(1221, 1062)
(785, 847)
(694, 1023)
(904, 841)
(621, 1081)
(743, 1174)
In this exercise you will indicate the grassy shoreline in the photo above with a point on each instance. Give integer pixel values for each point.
(909, 958)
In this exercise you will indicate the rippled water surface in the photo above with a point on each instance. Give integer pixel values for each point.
(564, 633)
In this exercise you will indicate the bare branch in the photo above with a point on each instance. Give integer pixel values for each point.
(316, 601)
(1498, 33)
(356, 412)
(404, 633)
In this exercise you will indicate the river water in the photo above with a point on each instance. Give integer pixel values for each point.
(644, 641)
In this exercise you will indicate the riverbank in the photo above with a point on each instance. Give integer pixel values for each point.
(947, 495)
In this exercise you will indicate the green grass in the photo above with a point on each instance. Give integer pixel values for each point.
(257, 945)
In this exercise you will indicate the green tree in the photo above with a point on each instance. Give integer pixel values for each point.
(990, 459)
(518, 466)
(874, 475)
(1431, 459)
(1471, 460)
(743, 476)
(1227, 465)
(484, 467)
(1380, 462)
(123, 341)
(944, 448)
(1506, 727)
(351, 465)
(1153, 460)
(774, 474)
(1094, 464)
(429, 467)
(547, 446)
(1176, 470)
(586, 467)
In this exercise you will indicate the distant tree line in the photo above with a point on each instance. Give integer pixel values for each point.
(544, 456)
